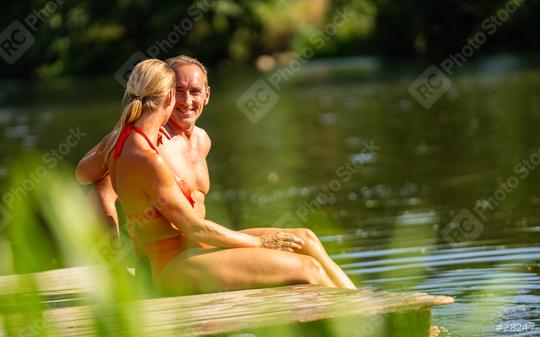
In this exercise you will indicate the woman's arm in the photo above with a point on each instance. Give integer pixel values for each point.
(199, 207)
(92, 166)
(159, 184)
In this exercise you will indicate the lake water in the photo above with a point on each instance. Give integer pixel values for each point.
(442, 200)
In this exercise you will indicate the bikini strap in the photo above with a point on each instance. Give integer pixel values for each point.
(124, 136)
(163, 133)
(140, 132)
(122, 139)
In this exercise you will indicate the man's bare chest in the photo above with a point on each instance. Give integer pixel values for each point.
(188, 163)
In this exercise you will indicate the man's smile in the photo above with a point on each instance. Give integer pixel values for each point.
(185, 112)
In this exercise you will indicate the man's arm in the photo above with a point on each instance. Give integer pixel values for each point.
(104, 198)
(204, 145)
(93, 166)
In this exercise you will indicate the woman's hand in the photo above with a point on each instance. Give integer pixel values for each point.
(281, 241)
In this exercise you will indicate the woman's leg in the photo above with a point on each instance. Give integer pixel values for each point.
(207, 270)
(314, 248)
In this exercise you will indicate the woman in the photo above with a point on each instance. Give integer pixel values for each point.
(167, 226)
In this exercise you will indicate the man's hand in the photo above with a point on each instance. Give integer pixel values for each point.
(281, 241)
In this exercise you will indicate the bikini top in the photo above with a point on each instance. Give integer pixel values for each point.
(151, 213)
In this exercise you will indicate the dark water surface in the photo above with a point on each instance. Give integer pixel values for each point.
(442, 200)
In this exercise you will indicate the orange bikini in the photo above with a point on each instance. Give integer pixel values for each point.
(162, 251)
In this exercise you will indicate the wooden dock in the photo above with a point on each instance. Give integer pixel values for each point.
(281, 311)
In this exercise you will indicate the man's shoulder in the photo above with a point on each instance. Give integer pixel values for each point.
(203, 139)
(200, 132)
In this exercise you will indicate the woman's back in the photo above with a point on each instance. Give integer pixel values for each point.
(126, 168)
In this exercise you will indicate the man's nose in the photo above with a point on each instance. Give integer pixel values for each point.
(184, 99)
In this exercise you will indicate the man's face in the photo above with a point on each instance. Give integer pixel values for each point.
(192, 95)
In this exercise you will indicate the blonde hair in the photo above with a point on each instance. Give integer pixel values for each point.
(182, 60)
(147, 87)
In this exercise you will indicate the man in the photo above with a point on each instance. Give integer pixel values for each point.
(184, 147)
(185, 151)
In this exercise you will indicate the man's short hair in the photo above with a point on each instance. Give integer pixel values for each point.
(182, 60)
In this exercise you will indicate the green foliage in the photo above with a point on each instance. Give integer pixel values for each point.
(52, 226)
(91, 37)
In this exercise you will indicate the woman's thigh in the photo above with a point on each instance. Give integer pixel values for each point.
(207, 270)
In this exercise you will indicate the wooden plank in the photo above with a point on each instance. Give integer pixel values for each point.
(53, 282)
(246, 310)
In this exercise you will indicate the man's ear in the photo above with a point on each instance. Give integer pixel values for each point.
(207, 95)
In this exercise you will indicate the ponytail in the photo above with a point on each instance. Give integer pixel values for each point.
(147, 87)
(130, 114)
